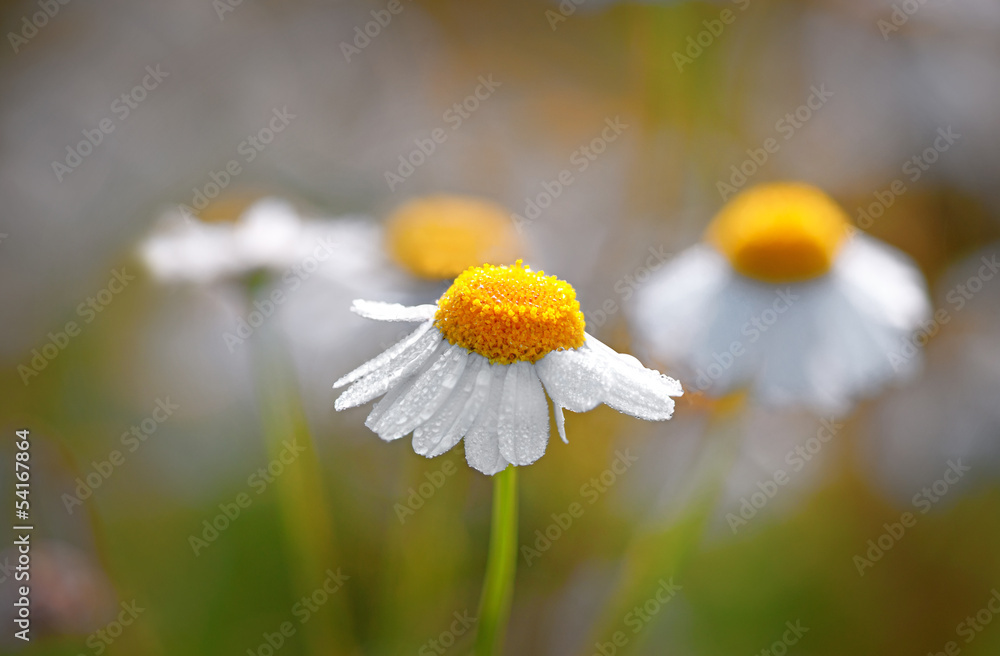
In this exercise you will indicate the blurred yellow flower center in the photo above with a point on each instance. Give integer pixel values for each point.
(510, 313)
(781, 232)
(228, 208)
(441, 236)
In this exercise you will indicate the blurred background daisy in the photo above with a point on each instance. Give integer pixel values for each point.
(595, 140)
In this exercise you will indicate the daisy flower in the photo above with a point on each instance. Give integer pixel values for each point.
(785, 298)
(267, 235)
(438, 237)
(480, 363)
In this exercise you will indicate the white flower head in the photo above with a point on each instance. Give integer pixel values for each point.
(480, 364)
(269, 235)
(788, 300)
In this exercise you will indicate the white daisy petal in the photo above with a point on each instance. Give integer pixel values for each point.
(694, 310)
(386, 403)
(560, 421)
(482, 448)
(390, 411)
(429, 391)
(475, 405)
(628, 370)
(832, 349)
(671, 310)
(524, 416)
(582, 378)
(268, 234)
(383, 358)
(884, 283)
(790, 368)
(190, 251)
(447, 427)
(393, 311)
(573, 379)
(381, 380)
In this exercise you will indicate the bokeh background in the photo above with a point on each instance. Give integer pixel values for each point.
(695, 92)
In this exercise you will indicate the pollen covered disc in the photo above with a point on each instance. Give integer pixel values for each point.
(510, 313)
(781, 232)
(440, 236)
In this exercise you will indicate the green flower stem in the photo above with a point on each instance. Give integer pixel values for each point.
(300, 494)
(498, 585)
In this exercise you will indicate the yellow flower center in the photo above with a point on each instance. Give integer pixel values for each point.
(510, 313)
(782, 232)
(228, 207)
(441, 236)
